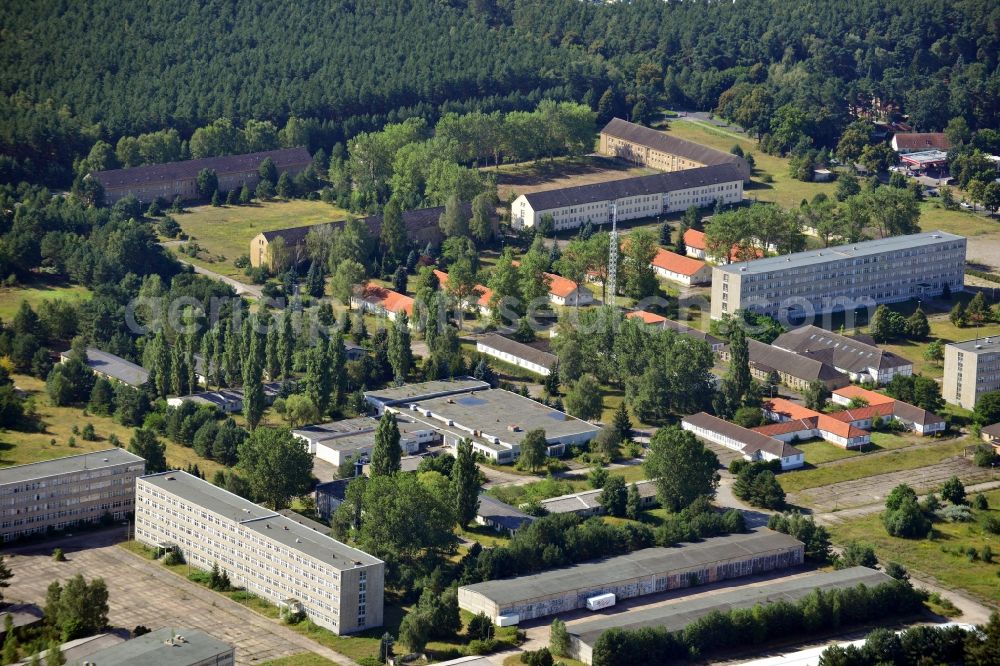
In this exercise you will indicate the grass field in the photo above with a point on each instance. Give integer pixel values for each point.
(18, 448)
(35, 293)
(819, 451)
(224, 232)
(785, 190)
(938, 555)
(933, 217)
(870, 465)
(301, 659)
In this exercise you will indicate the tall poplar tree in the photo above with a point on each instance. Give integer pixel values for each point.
(286, 344)
(465, 483)
(400, 353)
(386, 453)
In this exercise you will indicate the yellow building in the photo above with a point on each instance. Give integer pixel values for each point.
(650, 148)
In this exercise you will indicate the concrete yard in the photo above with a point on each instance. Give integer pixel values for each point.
(146, 593)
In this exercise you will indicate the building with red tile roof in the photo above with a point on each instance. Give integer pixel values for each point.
(382, 302)
(482, 295)
(678, 268)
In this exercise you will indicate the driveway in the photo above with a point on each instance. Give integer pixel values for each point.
(252, 290)
(146, 593)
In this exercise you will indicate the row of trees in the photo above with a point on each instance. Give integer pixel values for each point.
(818, 611)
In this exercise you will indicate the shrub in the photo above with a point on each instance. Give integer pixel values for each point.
(173, 558)
(58, 555)
(956, 513)
(992, 524)
(980, 502)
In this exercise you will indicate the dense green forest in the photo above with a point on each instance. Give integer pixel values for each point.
(73, 73)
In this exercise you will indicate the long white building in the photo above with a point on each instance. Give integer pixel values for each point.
(845, 277)
(633, 198)
(272, 556)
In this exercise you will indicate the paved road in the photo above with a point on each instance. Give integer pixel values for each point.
(144, 592)
(252, 290)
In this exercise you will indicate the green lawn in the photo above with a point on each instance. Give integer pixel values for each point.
(933, 216)
(18, 448)
(939, 555)
(785, 190)
(870, 465)
(36, 292)
(301, 659)
(224, 232)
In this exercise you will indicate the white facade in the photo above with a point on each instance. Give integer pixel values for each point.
(702, 276)
(627, 208)
(272, 556)
(792, 460)
(507, 357)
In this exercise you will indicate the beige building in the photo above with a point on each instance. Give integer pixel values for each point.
(845, 277)
(272, 556)
(651, 148)
(58, 494)
(631, 198)
(971, 368)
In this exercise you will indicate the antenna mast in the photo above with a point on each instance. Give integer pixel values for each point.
(612, 286)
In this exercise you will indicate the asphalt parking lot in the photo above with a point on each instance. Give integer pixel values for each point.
(144, 592)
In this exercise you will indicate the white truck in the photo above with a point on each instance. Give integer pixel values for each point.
(606, 600)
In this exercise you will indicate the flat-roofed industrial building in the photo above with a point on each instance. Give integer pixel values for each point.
(272, 556)
(646, 571)
(842, 278)
(60, 493)
(675, 616)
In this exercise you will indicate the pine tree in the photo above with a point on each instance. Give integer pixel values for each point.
(622, 423)
(5, 575)
(465, 483)
(216, 199)
(245, 196)
(386, 452)
(976, 312)
(917, 326)
(957, 315)
(284, 189)
(551, 381)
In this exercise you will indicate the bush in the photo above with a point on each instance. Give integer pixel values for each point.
(173, 558)
(992, 524)
(956, 513)
(980, 502)
(58, 555)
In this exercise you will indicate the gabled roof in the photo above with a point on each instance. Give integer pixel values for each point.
(501, 513)
(992, 430)
(560, 286)
(788, 409)
(922, 141)
(612, 190)
(851, 354)
(695, 239)
(676, 263)
(622, 129)
(647, 317)
(881, 410)
(154, 173)
(907, 412)
(518, 350)
(852, 391)
(768, 357)
(751, 440)
(392, 301)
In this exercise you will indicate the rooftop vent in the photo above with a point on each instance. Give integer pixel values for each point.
(171, 478)
(106, 460)
(298, 540)
(286, 527)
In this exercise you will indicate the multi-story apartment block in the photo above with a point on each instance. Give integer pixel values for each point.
(842, 278)
(57, 494)
(631, 198)
(971, 368)
(272, 556)
(658, 150)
